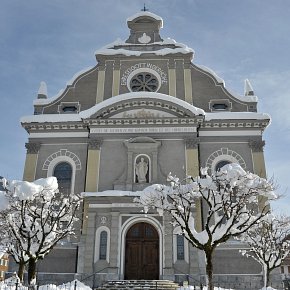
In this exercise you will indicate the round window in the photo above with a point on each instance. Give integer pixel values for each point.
(144, 81)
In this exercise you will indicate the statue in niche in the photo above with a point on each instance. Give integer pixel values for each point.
(141, 171)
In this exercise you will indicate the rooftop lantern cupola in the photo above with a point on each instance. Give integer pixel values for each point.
(144, 28)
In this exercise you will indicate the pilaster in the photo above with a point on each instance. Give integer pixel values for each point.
(192, 169)
(258, 157)
(116, 79)
(172, 79)
(114, 247)
(93, 164)
(31, 161)
(101, 84)
(187, 84)
(168, 247)
(89, 243)
(257, 147)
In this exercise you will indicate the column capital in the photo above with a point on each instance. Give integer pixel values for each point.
(191, 143)
(95, 144)
(32, 148)
(256, 145)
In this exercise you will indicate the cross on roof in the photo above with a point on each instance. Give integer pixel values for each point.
(144, 9)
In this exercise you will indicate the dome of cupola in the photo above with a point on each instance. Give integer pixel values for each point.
(144, 28)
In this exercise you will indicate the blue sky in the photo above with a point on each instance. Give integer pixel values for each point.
(52, 40)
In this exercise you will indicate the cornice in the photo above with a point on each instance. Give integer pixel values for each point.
(262, 124)
(54, 127)
(154, 121)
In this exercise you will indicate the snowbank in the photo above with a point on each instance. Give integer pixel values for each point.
(10, 284)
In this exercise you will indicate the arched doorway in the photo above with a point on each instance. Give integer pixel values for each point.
(142, 252)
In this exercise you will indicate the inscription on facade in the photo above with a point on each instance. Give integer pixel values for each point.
(144, 65)
(143, 130)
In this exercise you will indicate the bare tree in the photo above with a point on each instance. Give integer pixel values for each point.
(269, 243)
(38, 218)
(230, 199)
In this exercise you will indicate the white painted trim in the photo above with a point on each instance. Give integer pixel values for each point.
(58, 160)
(97, 243)
(230, 133)
(59, 135)
(124, 229)
(142, 130)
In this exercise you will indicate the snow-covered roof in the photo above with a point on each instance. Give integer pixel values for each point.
(136, 95)
(51, 118)
(120, 47)
(236, 116)
(145, 13)
(54, 118)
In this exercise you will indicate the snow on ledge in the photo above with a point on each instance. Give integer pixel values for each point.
(145, 13)
(51, 118)
(134, 95)
(111, 50)
(111, 193)
(236, 116)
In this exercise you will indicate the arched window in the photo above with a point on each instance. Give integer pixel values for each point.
(180, 247)
(103, 245)
(63, 173)
(221, 164)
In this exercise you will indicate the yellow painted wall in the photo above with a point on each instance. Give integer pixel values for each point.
(30, 167)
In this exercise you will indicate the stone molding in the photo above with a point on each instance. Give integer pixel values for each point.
(256, 146)
(95, 144)
(32, 148)
(192, 143)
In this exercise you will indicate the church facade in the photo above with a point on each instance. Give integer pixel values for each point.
(144, 110)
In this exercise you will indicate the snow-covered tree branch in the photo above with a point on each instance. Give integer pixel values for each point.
(38, 216)
(230, 201)
(269, 243)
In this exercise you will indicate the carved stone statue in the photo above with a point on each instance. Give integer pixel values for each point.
(141, 169)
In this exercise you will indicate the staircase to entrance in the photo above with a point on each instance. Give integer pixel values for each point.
(139, 284)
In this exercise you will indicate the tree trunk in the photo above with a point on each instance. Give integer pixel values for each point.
(209, 270)
(266, 276)
(20, 273)
(32, 271)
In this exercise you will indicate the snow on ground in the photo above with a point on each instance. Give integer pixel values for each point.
(10, 284)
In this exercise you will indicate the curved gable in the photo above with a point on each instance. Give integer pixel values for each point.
(132, 102)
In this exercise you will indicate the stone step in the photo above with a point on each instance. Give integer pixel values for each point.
(139, 285)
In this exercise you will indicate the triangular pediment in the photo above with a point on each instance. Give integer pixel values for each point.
(142, 105)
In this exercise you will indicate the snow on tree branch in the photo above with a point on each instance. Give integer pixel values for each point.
(37, 217)
(269, 243)
(229, 198)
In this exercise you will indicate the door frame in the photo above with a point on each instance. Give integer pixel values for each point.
(126, 226)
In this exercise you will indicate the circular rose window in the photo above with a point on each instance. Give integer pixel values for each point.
(144, 81)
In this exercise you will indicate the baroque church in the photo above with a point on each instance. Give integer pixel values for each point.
(144, 110)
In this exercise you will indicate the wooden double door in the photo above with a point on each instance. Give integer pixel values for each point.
(142, 253)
